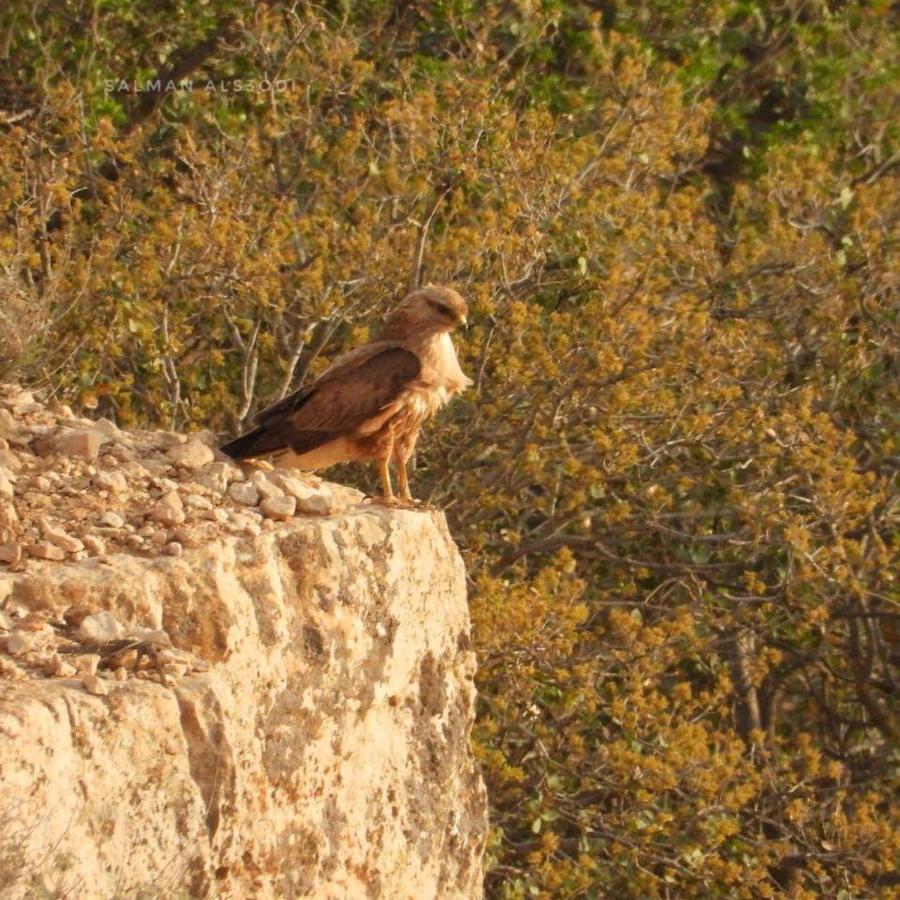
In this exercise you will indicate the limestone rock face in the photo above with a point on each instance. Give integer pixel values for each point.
(281, 712)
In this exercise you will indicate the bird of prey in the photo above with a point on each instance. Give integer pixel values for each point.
(372, 402)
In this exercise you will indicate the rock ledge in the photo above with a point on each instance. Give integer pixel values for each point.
(202, 696)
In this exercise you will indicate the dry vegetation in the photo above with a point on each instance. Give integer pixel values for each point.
(675, 478)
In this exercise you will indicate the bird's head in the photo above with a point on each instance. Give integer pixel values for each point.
(434, 308)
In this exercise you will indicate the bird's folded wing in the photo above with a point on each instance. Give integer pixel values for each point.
(354, 390)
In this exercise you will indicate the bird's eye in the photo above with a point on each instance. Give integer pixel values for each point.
(443, 310)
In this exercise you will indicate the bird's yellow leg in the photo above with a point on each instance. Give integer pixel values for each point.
(403, 478)
(384, 470)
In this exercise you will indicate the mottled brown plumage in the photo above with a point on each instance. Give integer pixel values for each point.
(371, 404)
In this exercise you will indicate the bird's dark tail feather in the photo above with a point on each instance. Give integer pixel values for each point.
(274, 437)
(246, 445)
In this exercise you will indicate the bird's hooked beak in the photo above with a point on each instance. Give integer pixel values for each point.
(464, 322)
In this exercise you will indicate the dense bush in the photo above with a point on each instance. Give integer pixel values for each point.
(675, 478)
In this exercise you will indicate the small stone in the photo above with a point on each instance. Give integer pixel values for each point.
(244, 493)
(85, 444)
(169, 510)
(94, 685)
(218, 475)
(158, 538)
(122, 452)
(111, 481)
(112, 519)
(195, 501)
(317, 504)
(265, 487)
(214, 515)
(87, 664)
(17, 643)
(155, 467)
(310, 500)
(107, 428)
(281, 508)
(165, 440)
(45, 550)
(290, 484)
(6, 486)
(192, 455)
(173, 548)
(100, 627)
(40, 483)
(94, 545)
(61, 539)
(11, 553)
(61, 668)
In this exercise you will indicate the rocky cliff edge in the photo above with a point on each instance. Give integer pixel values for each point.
(217, 681)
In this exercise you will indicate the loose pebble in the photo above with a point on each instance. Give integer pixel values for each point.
(84, 444)
(45, 550)
(112, 519)
(94, 685)
(169, 510)
(100, 627)
(244, 493)
(281, 508)
(191, 455)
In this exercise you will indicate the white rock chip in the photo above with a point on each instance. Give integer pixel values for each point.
(94, 545)
(62, 540)
(244, 493)
(94, 685)
(85, 444)
(111, 481)
(281, 508)
(192, 455)
(87, 663)
(312, 500)
(112, 519)
(169, 510)
(218, 475)
(100, 627)
(266, 487)
(61, 668)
